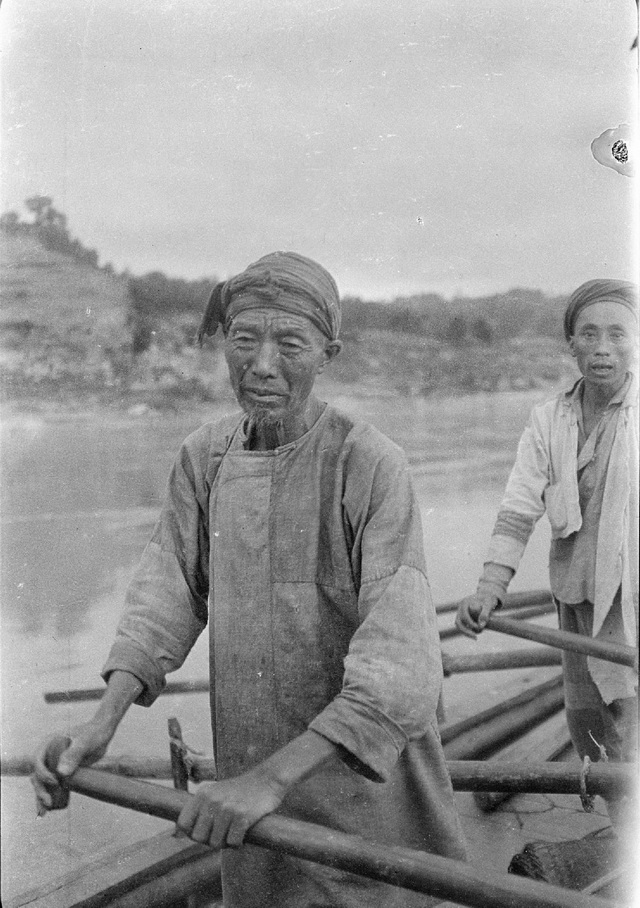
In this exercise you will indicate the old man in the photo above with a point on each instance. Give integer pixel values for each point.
(292, 531)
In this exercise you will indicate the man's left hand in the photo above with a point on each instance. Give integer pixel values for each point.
(220, 813)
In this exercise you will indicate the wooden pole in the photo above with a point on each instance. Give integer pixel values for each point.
(431, 874)
(80, 695)
(600, 649)
(466, 775)
(512, 600)
(451, 730)
(531, 611)
(607, 779)
(545, 742)
(490, 736)
(490, 661)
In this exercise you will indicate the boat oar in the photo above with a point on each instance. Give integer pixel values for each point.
(512, 600)
(529, 611)
(488, 737)
(454, 664)
(450, 730)
(431, 874)
(606, 779)
(600, 649)
(80, 695)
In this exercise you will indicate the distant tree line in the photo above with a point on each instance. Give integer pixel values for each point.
(156, 300)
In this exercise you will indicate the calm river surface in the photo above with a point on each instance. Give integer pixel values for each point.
(79, 499)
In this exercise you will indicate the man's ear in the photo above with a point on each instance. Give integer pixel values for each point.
(331, 350)
(572, 346)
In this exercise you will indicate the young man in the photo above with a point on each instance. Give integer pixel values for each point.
(293, 531)
(578, 462)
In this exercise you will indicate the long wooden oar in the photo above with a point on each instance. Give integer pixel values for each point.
(518, 614)
(607, 779)
(611, 652)
(512, 600)
(454, 664)
(431, 874)
(79, 695)
(488, 737)
(450, 730)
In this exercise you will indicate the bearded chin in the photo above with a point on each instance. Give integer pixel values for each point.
(261, 418)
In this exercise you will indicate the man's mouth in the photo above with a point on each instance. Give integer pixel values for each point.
(601, 368)
(263, 395)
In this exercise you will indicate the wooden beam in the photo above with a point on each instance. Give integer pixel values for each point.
(546, 742)
(499, 659)
(450, 730)
(431, 874)
(491, 735)
(512, 600)
(607, 779)
(589, 646)
(81, 695)
(530, 611)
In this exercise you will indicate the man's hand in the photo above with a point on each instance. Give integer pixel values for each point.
(59, 756)
(220, 813)
(82, 746)
(474, 612)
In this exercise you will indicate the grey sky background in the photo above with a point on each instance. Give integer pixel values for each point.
(435, 145)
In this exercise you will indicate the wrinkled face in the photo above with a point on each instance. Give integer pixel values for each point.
(273, 359)
(604, 343)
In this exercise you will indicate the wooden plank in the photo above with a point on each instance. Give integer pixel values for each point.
(115, 873)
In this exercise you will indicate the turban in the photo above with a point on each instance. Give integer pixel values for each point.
(600, 291)
(282, 280)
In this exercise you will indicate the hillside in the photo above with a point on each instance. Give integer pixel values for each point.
(71, 335)
(61, 321)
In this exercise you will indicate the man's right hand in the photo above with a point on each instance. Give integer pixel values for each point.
(473, 613)
(59, 756)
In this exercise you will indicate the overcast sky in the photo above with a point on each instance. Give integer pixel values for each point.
(438, 145)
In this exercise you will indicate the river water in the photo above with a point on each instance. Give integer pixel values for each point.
(79, 498)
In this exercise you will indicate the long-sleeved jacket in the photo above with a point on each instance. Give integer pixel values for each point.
(545, 479)
(307, 562)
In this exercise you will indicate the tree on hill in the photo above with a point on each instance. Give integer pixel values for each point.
(49, 226)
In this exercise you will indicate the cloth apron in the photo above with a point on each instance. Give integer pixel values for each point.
(248, 726)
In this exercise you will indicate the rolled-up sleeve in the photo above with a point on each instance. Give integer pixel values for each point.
(166, 603)
(393, 669)
(524, 499)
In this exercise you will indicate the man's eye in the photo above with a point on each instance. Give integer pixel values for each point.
(290, 346)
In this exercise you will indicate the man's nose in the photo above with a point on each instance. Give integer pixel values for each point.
(603, 345)
(265, 361)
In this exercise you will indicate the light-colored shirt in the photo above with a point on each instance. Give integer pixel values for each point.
(545, 478)
(572, 560)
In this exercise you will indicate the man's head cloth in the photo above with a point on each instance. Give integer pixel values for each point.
(599, 291)
(281, 280)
